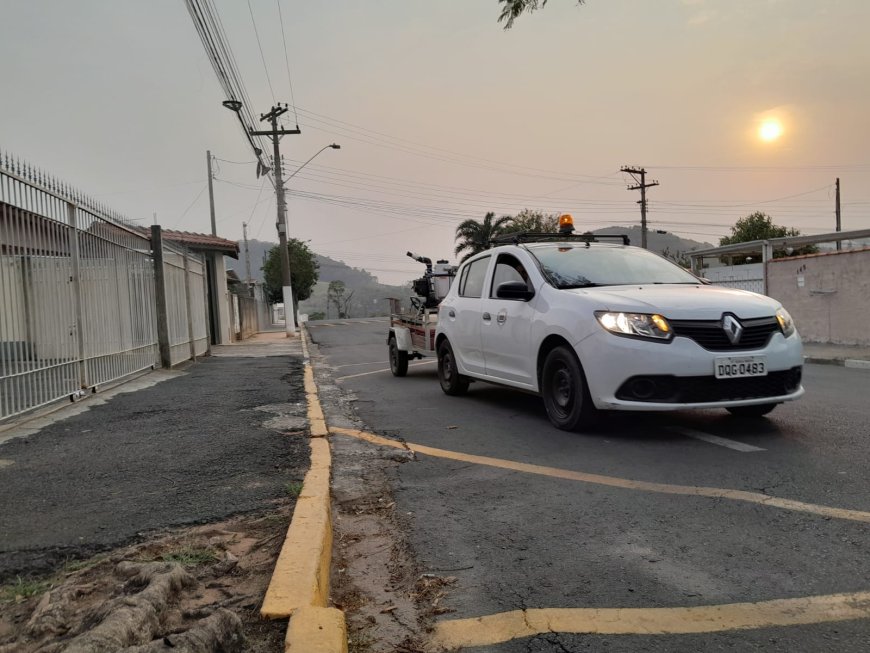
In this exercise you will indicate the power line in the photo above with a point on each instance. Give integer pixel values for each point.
(262, 56)
(326, 120)
(195, 199)
(213, 36)
(287, 61)
(843, 166)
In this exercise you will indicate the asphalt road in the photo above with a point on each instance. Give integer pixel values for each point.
(192, 449)
(519, 540)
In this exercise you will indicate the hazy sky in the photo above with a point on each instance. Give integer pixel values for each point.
(442, 115)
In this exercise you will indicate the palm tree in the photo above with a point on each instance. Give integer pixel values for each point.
(474, 236)
(514, 8)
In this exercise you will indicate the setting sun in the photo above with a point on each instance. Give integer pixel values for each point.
(770, 130)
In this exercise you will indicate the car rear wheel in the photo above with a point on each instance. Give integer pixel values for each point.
(452, 382)
(758, 410)
(398, 359)
(563, 388)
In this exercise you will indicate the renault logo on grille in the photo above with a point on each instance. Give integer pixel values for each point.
(733, 329)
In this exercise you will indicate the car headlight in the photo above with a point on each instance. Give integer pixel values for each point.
(785, 322)
(640, 325)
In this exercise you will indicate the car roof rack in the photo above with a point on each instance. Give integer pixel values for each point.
(538, 237)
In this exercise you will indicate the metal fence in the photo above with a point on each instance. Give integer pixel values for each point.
(77, 290)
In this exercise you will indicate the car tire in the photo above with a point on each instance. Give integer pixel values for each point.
(758, 410)
(452, 382)
(398, 358)
(564, 391)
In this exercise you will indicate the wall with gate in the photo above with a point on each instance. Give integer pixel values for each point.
(78, 293)
(744, 277)
(828, 295)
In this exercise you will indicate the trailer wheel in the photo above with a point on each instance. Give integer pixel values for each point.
(398, 359)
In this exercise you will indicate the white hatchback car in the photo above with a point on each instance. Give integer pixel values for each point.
(595, 325)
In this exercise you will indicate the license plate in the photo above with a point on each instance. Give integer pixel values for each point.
(736, 367)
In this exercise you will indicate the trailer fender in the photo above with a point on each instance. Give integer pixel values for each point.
(403, 338)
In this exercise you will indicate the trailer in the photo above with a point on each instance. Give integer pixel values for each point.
(411, 336)
(412, 330)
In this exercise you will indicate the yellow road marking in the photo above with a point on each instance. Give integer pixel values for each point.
(613, 481)
(505, 626)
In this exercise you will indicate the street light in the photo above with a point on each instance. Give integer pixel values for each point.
(289, 314)
(334, 146)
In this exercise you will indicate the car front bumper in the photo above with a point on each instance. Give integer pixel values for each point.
(632, 374)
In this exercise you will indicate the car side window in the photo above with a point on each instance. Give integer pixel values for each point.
(508, 268)
(463, 275)
(474, 275)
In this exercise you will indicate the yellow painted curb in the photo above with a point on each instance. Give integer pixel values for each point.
(301, 575)
(505, 626)
(316, 630)
(316, 420)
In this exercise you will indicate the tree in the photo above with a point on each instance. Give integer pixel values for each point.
(335, 295)
(474, 236)
(535, 221)
(679, 257)
(303, 273)
(759, 226)
(512, 9)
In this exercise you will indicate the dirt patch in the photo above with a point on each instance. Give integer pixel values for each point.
(389, 604)
(192, 589)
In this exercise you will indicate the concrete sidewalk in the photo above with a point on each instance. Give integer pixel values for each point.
(190, 445)
(265, 343)
(830, 354)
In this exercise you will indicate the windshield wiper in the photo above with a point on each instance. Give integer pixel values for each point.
(570, 286)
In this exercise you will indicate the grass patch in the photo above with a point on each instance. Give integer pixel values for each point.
(294, 489)
(189, 556)
(79, 565)
(22, 589)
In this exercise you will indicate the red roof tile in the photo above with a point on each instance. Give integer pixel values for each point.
(203, 242)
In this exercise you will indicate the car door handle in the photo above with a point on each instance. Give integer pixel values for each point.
(487, 317)
(451, 313)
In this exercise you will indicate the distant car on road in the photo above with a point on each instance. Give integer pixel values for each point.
(594, 325)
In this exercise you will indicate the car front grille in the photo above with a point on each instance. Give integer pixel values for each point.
(711, 336)
(704, 389)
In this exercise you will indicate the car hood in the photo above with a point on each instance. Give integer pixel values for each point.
(679, 302)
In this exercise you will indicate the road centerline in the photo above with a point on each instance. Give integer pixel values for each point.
(715, 439)
(387, 369)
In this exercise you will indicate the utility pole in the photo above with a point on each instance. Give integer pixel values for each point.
(214, 322)
(211, 193)
(642, 186)
(247, 256)
(275, 133)
(837, 211)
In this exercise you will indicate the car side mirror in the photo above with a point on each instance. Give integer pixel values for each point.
(514, 290)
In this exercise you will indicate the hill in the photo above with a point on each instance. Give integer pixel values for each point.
(660, 242)
(369, 296)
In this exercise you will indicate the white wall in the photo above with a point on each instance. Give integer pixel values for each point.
(828, 295)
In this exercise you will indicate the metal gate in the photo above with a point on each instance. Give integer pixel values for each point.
(77, 288)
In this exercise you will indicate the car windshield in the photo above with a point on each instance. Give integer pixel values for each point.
(578, 266)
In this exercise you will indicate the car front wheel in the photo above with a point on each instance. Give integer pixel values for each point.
(563, 388)
(452, 382)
